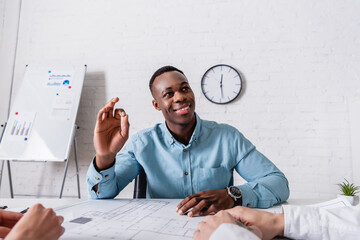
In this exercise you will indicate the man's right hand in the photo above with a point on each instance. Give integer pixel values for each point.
(110, 134)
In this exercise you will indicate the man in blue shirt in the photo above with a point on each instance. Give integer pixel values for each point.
(185, 157)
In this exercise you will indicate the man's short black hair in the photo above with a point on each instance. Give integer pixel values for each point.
(161, 71)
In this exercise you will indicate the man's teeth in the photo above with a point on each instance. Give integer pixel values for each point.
(183, 109)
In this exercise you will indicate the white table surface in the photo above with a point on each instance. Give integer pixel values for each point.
(19, 204)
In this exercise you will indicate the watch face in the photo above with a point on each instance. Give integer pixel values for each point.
(235, 191)
(221, 84)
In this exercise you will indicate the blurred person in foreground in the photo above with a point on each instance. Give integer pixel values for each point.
(38, 223)
(296, 222)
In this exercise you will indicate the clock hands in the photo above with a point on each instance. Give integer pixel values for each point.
(214, 77)
(221, 87)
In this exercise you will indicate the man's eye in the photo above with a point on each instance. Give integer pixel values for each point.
(185, 89)
(168, 94)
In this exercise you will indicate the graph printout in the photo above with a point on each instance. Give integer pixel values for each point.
(59, 79)
(62, 106)
(20, 125)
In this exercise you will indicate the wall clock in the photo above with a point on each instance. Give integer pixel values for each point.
(221, 84)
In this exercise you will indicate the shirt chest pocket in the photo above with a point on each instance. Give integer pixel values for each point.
(213, 178)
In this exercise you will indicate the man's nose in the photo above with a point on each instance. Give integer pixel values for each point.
(179, 97)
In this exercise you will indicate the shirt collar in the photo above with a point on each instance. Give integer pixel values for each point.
(195, 136)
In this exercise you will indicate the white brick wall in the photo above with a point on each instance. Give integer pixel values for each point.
(299, 59)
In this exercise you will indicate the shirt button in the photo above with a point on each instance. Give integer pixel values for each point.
(97, 178)
(184, 150)
(186, 173)
(248, 205)
(106, 176)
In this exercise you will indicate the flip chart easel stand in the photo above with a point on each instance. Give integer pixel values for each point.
(67, 165)
(41, 121)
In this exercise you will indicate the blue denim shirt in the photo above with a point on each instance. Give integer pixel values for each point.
(207, 163)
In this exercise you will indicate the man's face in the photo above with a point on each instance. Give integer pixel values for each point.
(174, 97)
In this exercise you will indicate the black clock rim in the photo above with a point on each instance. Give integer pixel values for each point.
(219, 65)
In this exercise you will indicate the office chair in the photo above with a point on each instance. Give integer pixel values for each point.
(140, 185)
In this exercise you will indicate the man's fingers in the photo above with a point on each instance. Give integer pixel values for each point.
(111, 105)
(107, 110)
(61, 219)
(100, 115)
(112, 102)
(125, 125)
(119, 112)
(211, 209)
(203, 204)
(190, 204)
(182, 203)
(61, 232)
(103, 114)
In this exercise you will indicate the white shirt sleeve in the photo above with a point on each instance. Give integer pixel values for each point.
(231, 231)
(303, 222)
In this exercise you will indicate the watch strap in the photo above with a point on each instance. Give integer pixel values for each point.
(238, 202)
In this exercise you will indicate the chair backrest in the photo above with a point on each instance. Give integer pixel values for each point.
(140, 185)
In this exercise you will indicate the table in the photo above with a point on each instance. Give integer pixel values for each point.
(129, 218)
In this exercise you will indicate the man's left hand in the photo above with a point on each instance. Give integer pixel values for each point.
(205, 202)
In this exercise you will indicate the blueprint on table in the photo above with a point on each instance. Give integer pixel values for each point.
(134, 219)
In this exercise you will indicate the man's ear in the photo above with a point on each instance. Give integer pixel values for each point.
(155, 104)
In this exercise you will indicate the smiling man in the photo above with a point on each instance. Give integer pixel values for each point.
(184, 157)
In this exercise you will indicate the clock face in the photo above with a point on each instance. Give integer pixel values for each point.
(221, 84)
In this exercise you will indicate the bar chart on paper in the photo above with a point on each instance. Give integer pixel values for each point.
(134, 219)
(20, 126)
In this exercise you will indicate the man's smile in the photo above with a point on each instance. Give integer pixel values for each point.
(183, 109)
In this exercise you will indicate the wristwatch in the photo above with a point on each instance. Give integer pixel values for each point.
(235, 193)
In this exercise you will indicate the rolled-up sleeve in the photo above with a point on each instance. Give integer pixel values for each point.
(266, 184)
(114, 179)
(105, 180)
